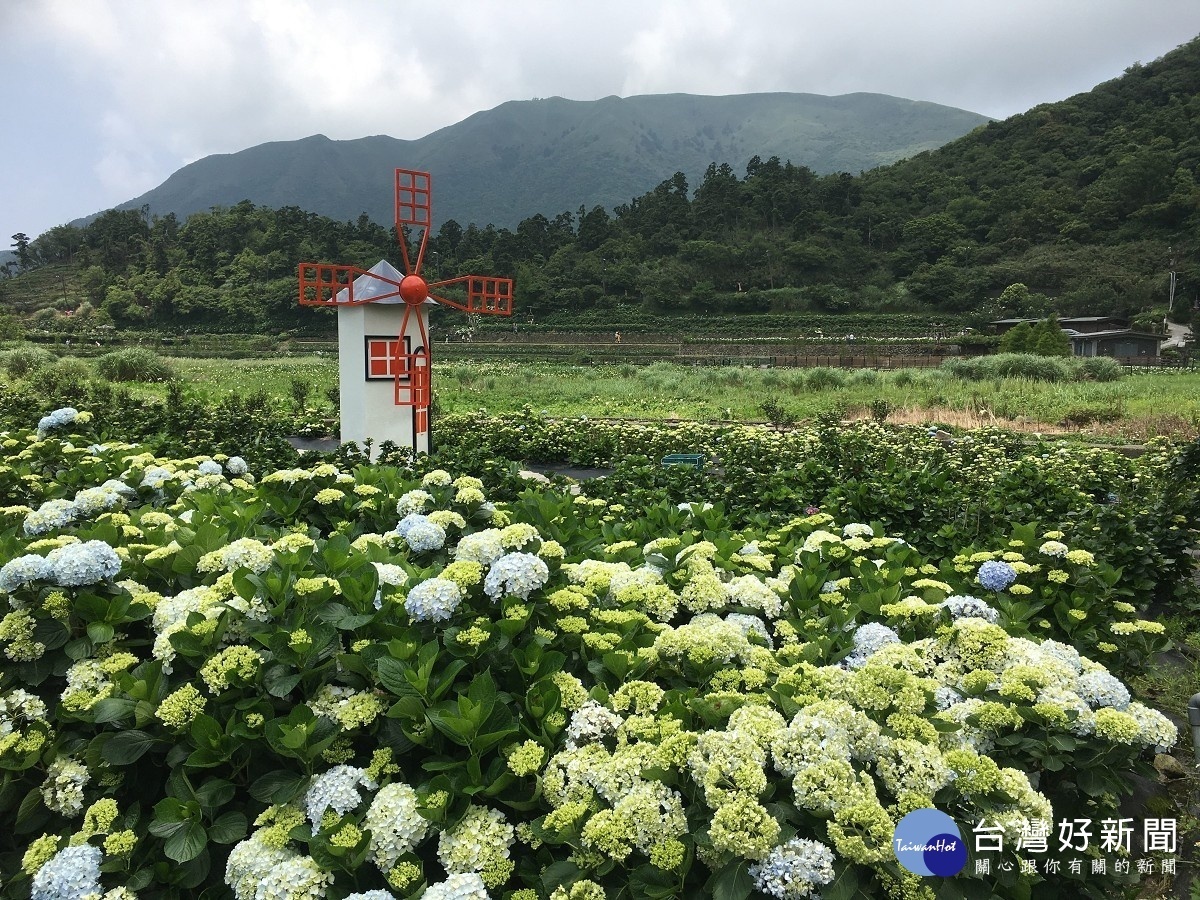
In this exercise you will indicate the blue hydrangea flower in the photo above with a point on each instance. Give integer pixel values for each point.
(71, 874)
(1100, 688)
(51, 515)
(79, 564)
(24, 570)
(434, 600)
(156, 477)
(56, 419)
(995, 576)
(424, 536)
(945, 697)
(235, 465)
(209, 467)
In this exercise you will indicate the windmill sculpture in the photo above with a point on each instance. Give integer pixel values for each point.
(383, 326)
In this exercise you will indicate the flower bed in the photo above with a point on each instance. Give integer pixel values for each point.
(352, 683)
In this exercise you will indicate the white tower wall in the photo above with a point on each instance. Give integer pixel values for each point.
(367, 387)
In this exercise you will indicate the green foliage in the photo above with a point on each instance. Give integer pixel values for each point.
(1050, 339)
(66, 378)
(134, 364)
(1017, 365)
(20, 362)
(1018, 339)
(1100, 368)
(940, 493)
(777, 414)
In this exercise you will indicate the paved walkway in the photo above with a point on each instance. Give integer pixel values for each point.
(1178, 335)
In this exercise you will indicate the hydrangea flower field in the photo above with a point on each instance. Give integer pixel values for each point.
(361, 681)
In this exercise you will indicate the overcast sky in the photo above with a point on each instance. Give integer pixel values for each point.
(104, 99)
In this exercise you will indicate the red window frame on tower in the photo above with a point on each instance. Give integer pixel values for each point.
(381, 358)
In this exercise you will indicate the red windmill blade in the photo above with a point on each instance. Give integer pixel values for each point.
(336, 285)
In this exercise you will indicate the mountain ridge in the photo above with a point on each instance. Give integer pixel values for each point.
(551, 155)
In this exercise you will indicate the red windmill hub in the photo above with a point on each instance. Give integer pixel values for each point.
(322, 284)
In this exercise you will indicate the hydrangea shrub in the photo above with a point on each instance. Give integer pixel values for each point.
(320, 682)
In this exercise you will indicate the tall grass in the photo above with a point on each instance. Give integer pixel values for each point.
(665, 390)
(134, 364)
(1037, 368)
(23, 360)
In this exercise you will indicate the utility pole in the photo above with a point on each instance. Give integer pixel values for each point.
(1171, 298)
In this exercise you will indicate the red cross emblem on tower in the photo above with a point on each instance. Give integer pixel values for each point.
(407, 361)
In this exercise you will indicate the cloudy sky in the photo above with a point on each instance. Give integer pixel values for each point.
(104, 99)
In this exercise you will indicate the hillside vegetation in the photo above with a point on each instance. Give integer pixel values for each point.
(1077, 207)
(546, 155)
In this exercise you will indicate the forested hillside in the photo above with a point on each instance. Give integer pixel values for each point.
(1079, 206)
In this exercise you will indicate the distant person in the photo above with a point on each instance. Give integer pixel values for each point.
(617, 336)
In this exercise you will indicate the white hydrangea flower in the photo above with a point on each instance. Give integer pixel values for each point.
(78, 564)
(396, 826)
(460, 886)
(433, 600)
(1100, 688)
(815, 541)
(51, 515)
(483, 836)
(1156, 730)
(413, 502)
(794, 870)
(590, 724)
(294, 878)
(424, 536)
(904, 764)
(71, 874)
(62, 791)
(515, 575)
(965, 606)
(390, 574)
(248, 865)
(483, 547)
(748, 591)
(244, 553)
(336, 789)
(436, 478)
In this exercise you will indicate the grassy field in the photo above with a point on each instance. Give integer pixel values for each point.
(1135, 407)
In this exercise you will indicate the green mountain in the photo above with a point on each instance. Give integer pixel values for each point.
(554, 155)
